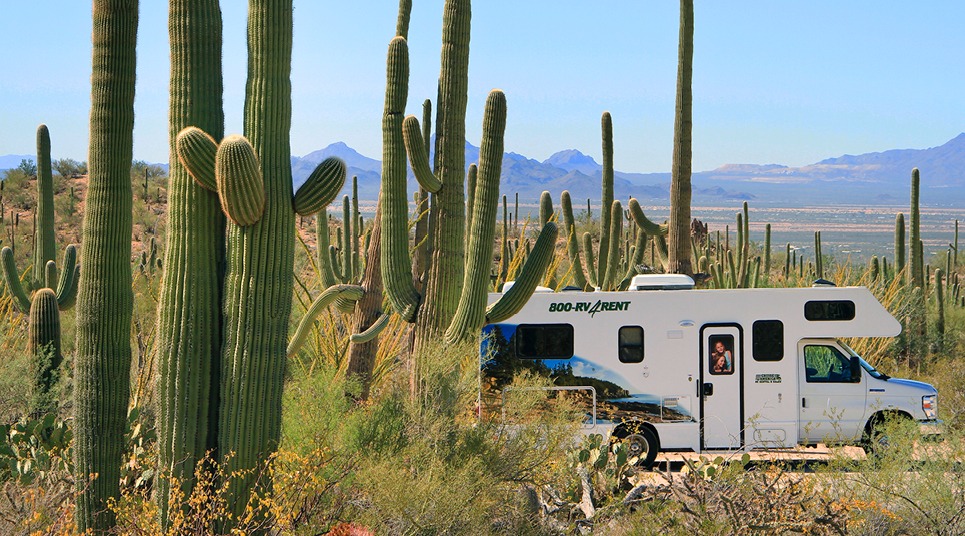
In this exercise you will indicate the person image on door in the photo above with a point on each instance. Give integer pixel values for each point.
(722, 358)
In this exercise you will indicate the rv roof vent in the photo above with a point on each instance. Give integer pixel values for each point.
(822, 283)
(661, 282)
(509, 284)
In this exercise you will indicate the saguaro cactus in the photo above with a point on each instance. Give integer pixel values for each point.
(917, 261)
(446, 289)
(189, 309)
(678, 238)
(899, 243)
(252, 176)
(104, 299)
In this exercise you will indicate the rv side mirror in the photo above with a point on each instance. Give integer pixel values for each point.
(855, 369)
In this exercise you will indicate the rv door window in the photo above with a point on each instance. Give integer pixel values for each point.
(768, 341)
(631, 344)
(721, 351)
(544, 341)
(826, 364)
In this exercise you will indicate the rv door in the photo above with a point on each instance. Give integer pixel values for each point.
(721, 386)
(833, 397)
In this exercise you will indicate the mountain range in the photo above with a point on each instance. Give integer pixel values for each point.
(881, 178)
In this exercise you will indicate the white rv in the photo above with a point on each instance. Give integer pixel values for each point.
(666, 367)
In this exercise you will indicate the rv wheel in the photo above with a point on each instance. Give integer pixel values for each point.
(644, 445)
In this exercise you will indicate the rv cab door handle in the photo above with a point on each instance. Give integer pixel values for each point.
(804, 402)
(708, 389)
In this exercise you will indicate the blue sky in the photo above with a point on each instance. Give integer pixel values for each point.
(774, 82)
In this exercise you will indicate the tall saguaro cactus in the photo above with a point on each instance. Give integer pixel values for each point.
(251, 175)
(104, 299)
(448, 294)
(917, 260)
(189, 309)
(45, 248)
(678, 237)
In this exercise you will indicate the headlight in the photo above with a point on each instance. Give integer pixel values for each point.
(929, 404)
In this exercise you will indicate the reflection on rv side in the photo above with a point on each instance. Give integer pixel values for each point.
(668, 367)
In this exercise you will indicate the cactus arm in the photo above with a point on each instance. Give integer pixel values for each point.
(418, 156)
(348, 270)
(616, 234)
(333, 261)
(241, 186)
(323, 253)
(470, 313)
(326, 298)
(50, 275)
(660, 242)
(471, 174)
(572, 245)
(67, 287)
(644, 223)
(639, 247)
(545, 208)
(372, 332)
(321, 187)
(196, 151)
(396, 263)
(12, 278)
(590, 264)
(539, 259)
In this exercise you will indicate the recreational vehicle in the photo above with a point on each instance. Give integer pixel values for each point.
(664, 366)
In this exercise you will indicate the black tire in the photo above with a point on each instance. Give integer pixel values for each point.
(876, 440)
(644, 444)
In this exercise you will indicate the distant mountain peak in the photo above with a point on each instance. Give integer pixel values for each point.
(573, 160)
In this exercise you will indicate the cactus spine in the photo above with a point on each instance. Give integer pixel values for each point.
(104, 300)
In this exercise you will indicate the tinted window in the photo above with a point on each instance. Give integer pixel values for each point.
(829, 310)
(544, 341)
(631, 344)
(768, 340)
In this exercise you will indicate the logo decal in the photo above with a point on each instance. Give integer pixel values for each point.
(589, 307)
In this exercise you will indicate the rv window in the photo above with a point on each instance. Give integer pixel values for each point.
(768, 340)
(826, 364)
(544, 341)
(721, 352)
(830, 310)
(631, 344)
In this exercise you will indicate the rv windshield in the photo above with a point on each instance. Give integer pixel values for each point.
(864, 364)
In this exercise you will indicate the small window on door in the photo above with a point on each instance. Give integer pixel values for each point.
(721, 354)
(631, 344)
